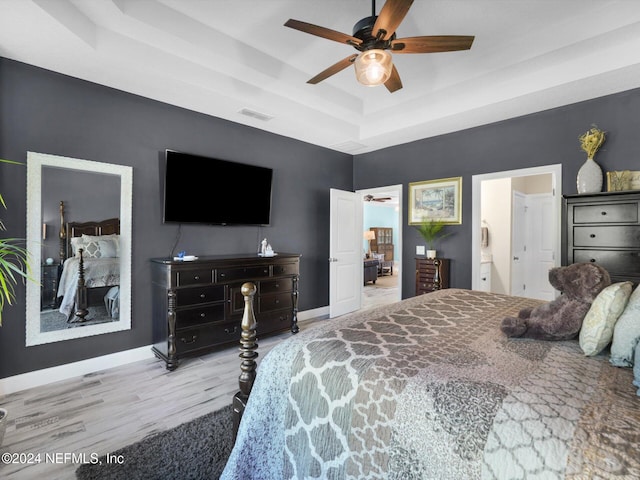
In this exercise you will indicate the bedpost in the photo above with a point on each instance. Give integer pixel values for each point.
(81, 293)
(63, 236)
(248, 354)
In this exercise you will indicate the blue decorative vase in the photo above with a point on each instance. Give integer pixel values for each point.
(589, 177)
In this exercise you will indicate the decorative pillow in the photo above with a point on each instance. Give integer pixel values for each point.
(76, 244)
(114, 237)
(597, 327)
(108, 248)
(626, 333)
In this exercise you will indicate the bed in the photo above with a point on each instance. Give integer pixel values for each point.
(89, 255)
(430, 388)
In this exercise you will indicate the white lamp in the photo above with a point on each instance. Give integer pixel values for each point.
(373, 67)
(369, 235)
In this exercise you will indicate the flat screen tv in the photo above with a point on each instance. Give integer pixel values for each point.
(205, 190)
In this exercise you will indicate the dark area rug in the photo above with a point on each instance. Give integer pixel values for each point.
(52, 320)
(196, 450)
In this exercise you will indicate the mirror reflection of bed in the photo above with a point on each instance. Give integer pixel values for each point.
(87, 275)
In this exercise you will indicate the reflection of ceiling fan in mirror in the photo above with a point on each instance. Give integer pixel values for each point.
(373, 36)
(371, 198)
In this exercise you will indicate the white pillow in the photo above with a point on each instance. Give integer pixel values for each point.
(113, 237)
(597, 327)
(626, 333)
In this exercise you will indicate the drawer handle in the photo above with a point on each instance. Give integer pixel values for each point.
(277, 285)
(235, 329)
(191, 340)
(202, 315)
(593, 235)
(223, 275)
(603, 213)
(593, 260)
(277, 301)
(202, 295)
(196, 277)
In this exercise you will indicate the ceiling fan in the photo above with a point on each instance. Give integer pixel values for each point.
(373, 36)
(371, 198)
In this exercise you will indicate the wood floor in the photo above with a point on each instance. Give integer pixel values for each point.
(104, 411)
(100, 413)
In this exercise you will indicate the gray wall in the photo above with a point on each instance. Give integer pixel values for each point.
(51, 113)
(545, 138)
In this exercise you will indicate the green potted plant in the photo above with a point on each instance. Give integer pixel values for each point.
(432, 230)
(14, 266)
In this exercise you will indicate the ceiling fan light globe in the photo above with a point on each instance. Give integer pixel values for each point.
(373, 67)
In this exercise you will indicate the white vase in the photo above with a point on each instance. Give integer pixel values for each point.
(431, 254)
(589, 177)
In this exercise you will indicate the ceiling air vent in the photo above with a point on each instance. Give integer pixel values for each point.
(258, 115)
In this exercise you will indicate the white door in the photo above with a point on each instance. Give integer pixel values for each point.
(542, 250)
(518, 244)
(345, 252)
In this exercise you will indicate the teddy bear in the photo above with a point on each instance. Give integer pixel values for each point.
(561, 319)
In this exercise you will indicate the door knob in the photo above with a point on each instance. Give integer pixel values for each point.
(516, 258)
(331, 259)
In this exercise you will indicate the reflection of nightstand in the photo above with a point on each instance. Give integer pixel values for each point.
(49, 276)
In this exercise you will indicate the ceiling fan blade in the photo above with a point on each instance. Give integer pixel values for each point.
(432, 44)
(322, 32)
(391, 15)
(333, 69)
(393, 83)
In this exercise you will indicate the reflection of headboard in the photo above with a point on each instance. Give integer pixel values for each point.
(76, 229)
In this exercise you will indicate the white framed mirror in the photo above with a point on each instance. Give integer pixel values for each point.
(52, 302)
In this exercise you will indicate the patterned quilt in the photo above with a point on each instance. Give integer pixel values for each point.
(430, 388)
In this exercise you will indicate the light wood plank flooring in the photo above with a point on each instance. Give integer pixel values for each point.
(104, 411)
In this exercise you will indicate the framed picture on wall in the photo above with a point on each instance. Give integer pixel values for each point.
(436, 199)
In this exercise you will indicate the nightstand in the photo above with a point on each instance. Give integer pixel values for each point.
(49, 290)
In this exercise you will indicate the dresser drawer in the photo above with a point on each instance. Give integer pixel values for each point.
(285, 269)
(609, 236)
(621, 262)
(611, 213)
(273, 322)
(189, 317)
(269, 303)
(197, 295)
(275, 286)
(428, 286)
(193, 277)
(238, 273)
(193, 339)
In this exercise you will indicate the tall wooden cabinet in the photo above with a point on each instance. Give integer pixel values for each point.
(198, 305)
(431, 274)
(383, 243)
(604, 228)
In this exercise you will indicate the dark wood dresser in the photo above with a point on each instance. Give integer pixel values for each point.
(604, 228)
(431, 274)
(198, 305)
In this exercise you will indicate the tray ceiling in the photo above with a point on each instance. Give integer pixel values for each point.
(235, 60)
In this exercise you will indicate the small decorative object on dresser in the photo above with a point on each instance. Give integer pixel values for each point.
(198, 305)
(604, 228)
(431, 274)
(590, 174)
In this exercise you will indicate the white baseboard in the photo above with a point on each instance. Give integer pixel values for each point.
(37, 378)
(45, 376)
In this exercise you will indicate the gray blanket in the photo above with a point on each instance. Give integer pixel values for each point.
(431, 388)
